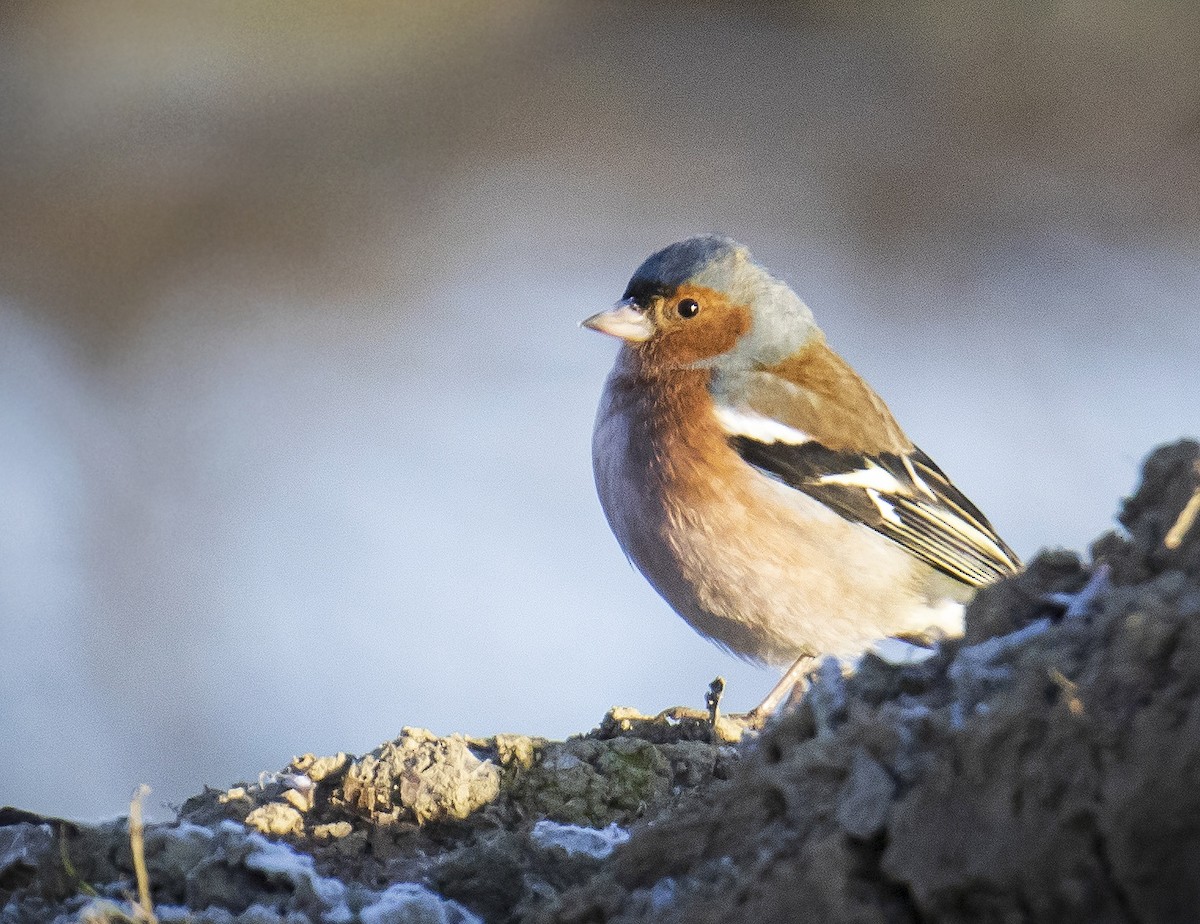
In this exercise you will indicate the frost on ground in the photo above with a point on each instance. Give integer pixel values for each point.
(575, 839)
(1045, 767)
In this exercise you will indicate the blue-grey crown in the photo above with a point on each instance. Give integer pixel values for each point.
(671, 267)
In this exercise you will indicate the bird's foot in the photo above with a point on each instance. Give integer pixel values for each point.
(789, 689)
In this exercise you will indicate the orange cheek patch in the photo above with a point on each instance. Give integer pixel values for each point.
(715, 330)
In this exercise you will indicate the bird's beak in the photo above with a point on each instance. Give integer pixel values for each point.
(623, 320)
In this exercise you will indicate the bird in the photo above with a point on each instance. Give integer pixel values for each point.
(760, 485)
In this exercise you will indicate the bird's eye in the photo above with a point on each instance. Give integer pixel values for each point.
(688, 308)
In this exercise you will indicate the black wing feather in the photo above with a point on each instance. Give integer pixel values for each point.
(920, 508)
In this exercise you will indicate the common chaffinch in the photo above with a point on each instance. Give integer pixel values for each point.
(760, 485)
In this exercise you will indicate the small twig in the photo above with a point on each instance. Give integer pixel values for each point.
(712, 700)
(1187, 517)
(64, 854)
(1070, 690)
(137, 845)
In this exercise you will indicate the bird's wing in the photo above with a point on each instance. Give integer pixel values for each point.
(902, 495)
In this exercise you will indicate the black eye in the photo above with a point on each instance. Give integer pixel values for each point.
(688, 308)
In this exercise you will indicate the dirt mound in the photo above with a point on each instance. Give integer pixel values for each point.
(422, 829)
(1045, 767)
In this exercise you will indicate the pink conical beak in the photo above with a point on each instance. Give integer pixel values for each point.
(623, 320)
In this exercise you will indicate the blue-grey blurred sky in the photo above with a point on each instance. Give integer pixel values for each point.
(294, 408)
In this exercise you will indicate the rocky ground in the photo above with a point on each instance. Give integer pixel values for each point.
(1045, 767)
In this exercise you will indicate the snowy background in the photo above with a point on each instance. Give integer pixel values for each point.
(294, 408)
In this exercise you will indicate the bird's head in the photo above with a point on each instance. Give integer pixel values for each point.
(705, 302)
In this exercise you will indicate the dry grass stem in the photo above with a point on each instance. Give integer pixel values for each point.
(137, 844)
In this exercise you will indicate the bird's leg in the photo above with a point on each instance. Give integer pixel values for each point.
(792, 680)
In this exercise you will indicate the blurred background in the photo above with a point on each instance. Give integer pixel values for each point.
(294, 408)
